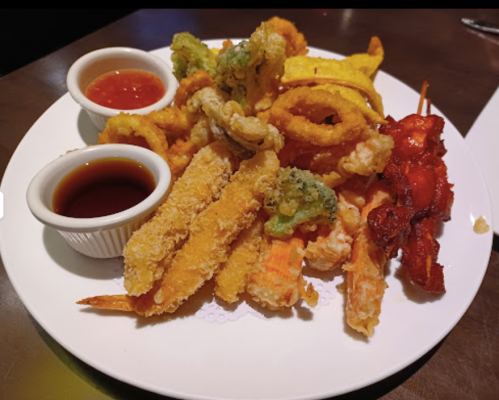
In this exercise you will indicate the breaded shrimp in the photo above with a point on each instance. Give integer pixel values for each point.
(365, 270)
(333, 244)
(210, 237)
(152, 247)
(277, 281)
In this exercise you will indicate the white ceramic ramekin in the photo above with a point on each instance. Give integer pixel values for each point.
(100, 237)
(98, 62)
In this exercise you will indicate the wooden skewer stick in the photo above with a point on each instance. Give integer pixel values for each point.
(428, 107)
(422, 97)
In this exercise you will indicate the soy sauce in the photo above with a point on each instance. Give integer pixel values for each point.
(102, 187)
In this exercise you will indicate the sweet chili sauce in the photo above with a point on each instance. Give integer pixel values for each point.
(126, 89)
(102, 187)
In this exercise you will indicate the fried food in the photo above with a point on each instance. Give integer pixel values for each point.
(354, 96)
(364, 156)
(205, 249)
(277, 281)
(250, 70)
(369, 62)
(190, 55)
(152, 247)
(365, 270)
(227, 118)
(175, 122)
(137, 130)
(333, 244)
(296, 45)
(232, 277)
(179, 155)
(298, 198)
(304, 70)
(299, 114)
(191, 84)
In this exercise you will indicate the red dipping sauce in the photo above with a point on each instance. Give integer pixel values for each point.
(126, 89)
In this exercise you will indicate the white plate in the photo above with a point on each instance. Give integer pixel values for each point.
(483, 141)
(302, 355)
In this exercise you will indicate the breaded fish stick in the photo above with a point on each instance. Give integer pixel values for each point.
(210, 237)
(232, 277)
(365, 270)
(153, 245)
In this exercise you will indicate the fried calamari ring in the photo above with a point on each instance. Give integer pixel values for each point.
(174, 122)
(296, 43)
(135, 129)
(191, 84)
(299, 114)
(371, 116)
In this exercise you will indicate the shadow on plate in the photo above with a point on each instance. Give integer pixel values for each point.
(411, 291)
(76, 263)
(118, 390)
(88, 132)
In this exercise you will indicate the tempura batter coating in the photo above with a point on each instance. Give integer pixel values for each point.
(365, 270)
(296, 45)
(277, 282)
(232, 278)
(211, 235)
(227, 117)
(152, 247)
(137, 130)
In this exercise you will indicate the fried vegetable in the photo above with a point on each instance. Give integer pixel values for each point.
(304, 70)
(190, 54)
(250, 71)
(299, 197)
(231, 67)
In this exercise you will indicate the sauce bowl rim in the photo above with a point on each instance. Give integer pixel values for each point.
(79, 66)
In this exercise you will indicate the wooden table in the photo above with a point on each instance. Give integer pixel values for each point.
(462, 67)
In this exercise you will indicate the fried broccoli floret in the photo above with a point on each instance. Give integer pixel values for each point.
(299, 197)
(250, 71)
(190, 54)
(231, 69)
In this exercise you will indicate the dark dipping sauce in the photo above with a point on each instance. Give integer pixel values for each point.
(102, 187)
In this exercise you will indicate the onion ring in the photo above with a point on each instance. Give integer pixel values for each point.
(299, 113)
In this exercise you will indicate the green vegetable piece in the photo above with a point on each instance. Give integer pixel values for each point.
(190, 54)
(299, 197)
(232, 70)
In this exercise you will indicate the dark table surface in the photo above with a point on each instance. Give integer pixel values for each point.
(462, 67)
